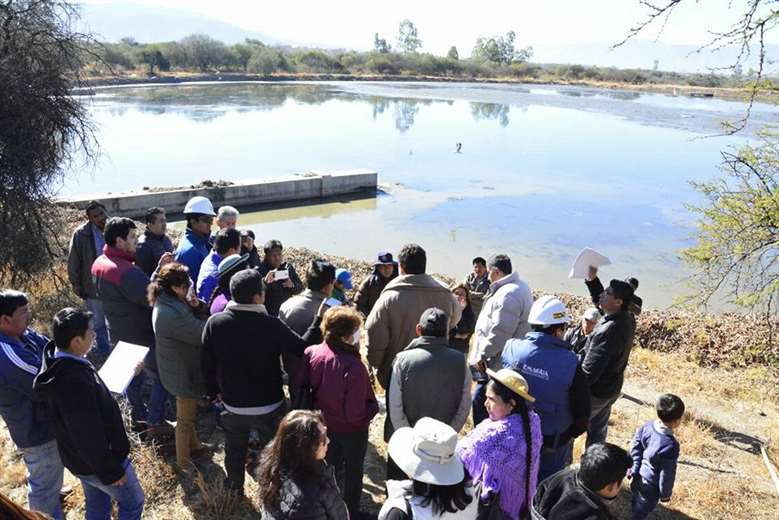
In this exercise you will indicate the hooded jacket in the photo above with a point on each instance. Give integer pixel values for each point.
(563, 497)
(503, 316)
(391, 325)
(87, 422)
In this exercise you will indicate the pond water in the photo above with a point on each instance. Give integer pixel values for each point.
(543, 171)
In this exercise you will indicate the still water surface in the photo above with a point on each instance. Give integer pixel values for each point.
(544, 171)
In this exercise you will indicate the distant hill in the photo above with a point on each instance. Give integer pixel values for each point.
(112, 22)
(642, 54)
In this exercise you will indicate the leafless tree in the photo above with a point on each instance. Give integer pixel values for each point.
(43, 129)
(753, 20)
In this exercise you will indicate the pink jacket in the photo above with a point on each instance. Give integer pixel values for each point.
(342, 389)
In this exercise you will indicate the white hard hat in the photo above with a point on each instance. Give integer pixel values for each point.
(199, 205)
(548, 310)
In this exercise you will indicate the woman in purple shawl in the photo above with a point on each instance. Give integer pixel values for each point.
(502, 452)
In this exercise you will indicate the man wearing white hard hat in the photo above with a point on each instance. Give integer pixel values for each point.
(555, 379)
(437, 486)
(196, 244)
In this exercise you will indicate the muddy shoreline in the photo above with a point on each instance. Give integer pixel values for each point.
(731, 94)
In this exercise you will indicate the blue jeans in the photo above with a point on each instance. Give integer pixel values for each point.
(158, 398)
(479, 398)
(98, 496)
(44, 478)
(554, 460)
(645, 497)
(95, 306)
(600, 412)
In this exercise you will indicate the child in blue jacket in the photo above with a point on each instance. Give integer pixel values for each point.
(655, 452)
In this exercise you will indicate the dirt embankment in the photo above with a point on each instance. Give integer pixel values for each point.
(738, 94)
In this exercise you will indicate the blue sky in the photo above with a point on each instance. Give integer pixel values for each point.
(352, 23)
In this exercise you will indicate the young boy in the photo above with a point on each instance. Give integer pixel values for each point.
(582, 493)
(655, 451)
(343, 283)
(87, 422)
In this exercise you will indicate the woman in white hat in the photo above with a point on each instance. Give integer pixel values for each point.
(438, 488)
(502, 452)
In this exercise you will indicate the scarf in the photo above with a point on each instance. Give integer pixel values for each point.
(495, 455)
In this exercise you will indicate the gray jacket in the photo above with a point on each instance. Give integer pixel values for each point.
(178, 332)
(81, 255)
(299, 311)
(429, 379)
(503, 316)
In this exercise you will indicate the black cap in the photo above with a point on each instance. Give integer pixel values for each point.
(434, 322)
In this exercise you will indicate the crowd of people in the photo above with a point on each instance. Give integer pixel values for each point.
(237, 333)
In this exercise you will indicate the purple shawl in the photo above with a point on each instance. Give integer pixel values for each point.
(495, 452)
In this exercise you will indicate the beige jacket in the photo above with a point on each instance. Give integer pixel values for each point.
(392, 322)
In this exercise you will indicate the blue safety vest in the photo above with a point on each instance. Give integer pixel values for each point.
(549, 366)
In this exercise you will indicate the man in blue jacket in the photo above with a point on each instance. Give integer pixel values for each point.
(556, 380)
(196, 243)
(25, 414)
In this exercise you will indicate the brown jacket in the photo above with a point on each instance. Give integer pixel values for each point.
(391, 325)
(81, 256)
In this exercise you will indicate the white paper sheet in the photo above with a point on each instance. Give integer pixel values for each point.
(119, 368)
(587, 258)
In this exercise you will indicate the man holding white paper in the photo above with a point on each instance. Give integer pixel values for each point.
(87, 421)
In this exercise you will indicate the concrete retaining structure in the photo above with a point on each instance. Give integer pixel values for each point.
(310, 186)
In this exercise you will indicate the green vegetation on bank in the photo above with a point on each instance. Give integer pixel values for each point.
(491, 57)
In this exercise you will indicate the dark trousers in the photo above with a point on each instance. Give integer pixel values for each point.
(237, 430)
(346, 454)
(479, 398)
(555, 459)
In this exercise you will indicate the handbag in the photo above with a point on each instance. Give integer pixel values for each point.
(490, 509)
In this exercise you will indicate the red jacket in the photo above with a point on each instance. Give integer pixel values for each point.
(342, 389)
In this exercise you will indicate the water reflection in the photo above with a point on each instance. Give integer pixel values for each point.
(488, 111)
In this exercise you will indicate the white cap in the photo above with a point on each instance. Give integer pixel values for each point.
(592, 314)
(199, 205)
(548, 310)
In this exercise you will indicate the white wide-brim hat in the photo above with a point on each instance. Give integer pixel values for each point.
(426, 452)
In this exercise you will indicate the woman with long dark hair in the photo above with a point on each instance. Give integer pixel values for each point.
(438, 488)
(502, 452)
(295, 481)
(460, 335)
(178, 318)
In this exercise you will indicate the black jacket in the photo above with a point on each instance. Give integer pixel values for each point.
(150, 248)
(563, 497)
(606, 353)
(240, 356)
(313, 497)
(276, 293)
(87, 422)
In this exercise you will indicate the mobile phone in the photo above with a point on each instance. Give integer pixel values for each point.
(333, 302)
(281, 274)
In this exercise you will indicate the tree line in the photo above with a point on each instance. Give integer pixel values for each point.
(496, 56)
